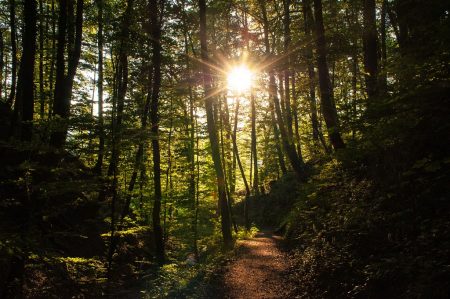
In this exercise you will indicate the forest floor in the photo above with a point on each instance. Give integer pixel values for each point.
(259, 270)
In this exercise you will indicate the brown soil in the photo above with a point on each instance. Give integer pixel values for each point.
(259, 271)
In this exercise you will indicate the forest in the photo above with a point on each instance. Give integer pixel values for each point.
(224, 149)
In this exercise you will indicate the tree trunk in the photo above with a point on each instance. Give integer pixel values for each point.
(5, 78)
(287, 71)
(370, 45)
(2, 62)
(155, 20)
(289, 148)
(271, 105)
(138, 161)
(254, 149)
(64, 82)
(307, 18)
(241, 169)
(41, 61)
(101, 130)
(276, 133)
(383, 79)
(209, 101)
(326, 91)
(118, 99)
(121, 83)
(12, 25)
(295, 115)
(190, 136)
(224, 165)
(58, 98)
(52, 61)
(24, 104)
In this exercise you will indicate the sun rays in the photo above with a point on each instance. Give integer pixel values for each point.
(239, 79)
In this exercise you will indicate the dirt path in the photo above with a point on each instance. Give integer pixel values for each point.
(259, 271)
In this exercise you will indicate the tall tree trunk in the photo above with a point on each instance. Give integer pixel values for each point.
(101, 130)
(12, 25)
(223, 144)
(118, 98)
(41, 61)
(254, 148)
(307, 18)
(295, 115)
(138, 161)
(271, 105)
(241, 169)
(58, 97)
(383, 79)
(64, 82)
(24, 104)
(308, 27)
(276, 133)
(156, 20)
(121, 83)
(287, 67)
(289, 148)
(2, 62)
(254, 153)
(190, 136)
(197, 189)
(169, 182)
(326, 91)
(5, 78)
(212, 131)
(52, 60)
(370, 45)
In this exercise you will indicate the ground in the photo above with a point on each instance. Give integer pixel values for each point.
(259, 270)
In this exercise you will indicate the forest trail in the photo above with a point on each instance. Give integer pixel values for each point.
(259, 270)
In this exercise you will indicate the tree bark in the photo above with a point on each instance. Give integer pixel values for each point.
(156, 20)
(287, 71)
(12, 25)
(370, 45)
(212, 131)
(52, 61)
(121, 83)
(295, 115)
(254, 148)
(241, 169)
(383, 79)
(41, 61)
(24, 104)
(101, 130)
(307, 18)
(2, 62)
(64, 82)
(271, 105)
(326, 91)
(289, 148)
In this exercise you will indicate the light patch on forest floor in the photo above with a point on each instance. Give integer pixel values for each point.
(259, 271)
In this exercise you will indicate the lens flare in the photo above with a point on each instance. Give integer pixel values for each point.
(239, 79)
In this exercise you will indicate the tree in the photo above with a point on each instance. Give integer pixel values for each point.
(101, 131)
(24, 104)
(289, 148)
(326, 91)
(212, 131)
(69, 36)
(156, 22)
(370, 43)
(2, 62)
(12, 24)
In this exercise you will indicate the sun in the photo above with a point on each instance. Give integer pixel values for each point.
(239, 79)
